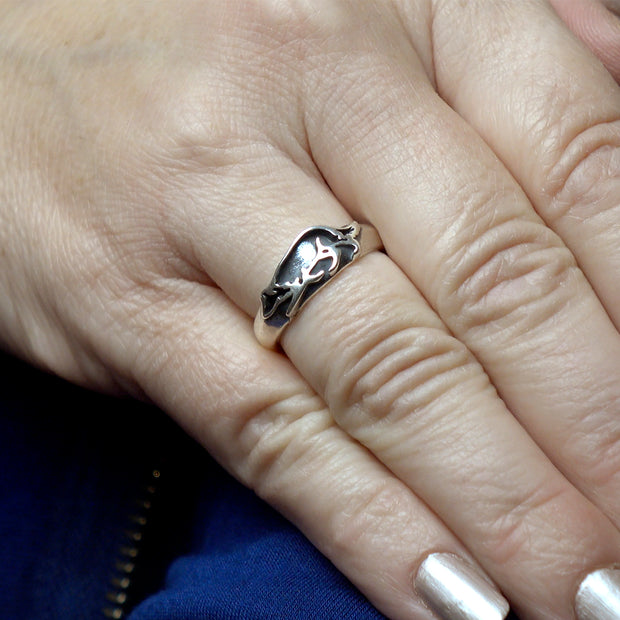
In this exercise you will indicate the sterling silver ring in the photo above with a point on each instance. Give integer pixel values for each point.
(315, 257)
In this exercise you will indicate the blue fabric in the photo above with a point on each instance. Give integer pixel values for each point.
(77, 486)
(248, 563)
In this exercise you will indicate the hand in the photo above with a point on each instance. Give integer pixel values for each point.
(457, 394)
(596, 23)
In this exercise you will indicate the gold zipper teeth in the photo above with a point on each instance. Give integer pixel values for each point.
(125, 565)
(134, 536)
(130, 552)
(122, 583)
(120, 598)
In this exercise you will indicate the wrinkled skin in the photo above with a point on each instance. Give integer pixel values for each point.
(459, 392)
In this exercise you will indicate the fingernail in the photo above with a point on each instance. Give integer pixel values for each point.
(598, 597)
(455, 590)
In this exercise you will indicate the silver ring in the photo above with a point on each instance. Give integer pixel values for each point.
(315, 257)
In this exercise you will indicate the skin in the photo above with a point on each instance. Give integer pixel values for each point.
(596, 24)
(458, 393)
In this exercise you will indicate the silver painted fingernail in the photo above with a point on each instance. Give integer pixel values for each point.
(598, 597)
(455, 590)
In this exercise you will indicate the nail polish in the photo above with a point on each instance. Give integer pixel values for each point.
(455, 590)
(598, 597)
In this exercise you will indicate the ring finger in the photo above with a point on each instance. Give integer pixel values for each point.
(464, 231)
(398, 382)
(263, 422)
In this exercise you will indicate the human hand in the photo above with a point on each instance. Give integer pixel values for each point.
(595, 22)
(455, 395)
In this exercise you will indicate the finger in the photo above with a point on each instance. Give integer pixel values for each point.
(264, 424)
(563, 152)
(465, 233)
(596, 24)
(553, 118)
(462, 229)
(415, 397)
(612, 5)
(413, 394)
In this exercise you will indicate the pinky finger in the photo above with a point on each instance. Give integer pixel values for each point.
(198, 360)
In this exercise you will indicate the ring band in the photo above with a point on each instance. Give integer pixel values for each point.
(316, 256)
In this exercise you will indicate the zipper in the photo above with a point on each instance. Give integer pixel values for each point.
(121, 596)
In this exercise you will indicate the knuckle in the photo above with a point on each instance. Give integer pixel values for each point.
(281, 437)
(395, 376)
(302, 17)
(514, 276)
(583, 182)
(242, 90)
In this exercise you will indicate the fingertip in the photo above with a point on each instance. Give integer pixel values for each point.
(597, 24)
(455, 590)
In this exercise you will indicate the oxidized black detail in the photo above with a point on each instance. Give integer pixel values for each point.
(315, 257)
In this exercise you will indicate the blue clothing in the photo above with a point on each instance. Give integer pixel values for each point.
(106, 505)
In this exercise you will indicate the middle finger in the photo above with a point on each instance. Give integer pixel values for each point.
(461, 227)
(388, 368)
(397, 381)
